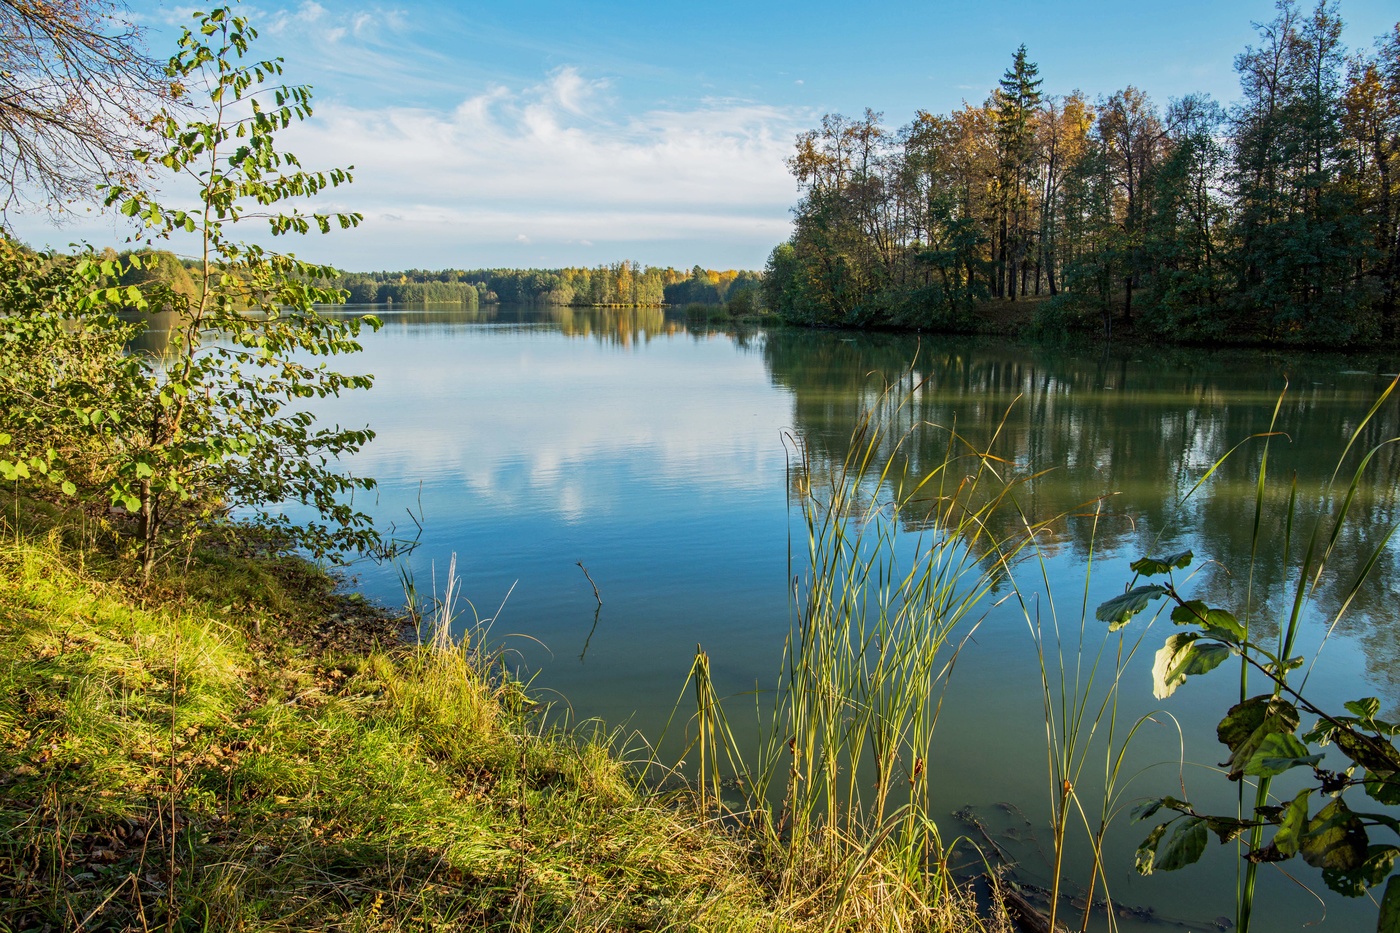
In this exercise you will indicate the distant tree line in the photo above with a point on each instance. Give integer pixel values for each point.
(618, 284)
(1272, 220)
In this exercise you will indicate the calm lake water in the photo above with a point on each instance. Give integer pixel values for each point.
(653, 450)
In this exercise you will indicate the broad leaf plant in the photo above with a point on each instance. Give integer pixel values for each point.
(217, 422)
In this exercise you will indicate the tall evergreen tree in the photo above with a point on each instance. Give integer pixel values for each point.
(1016, 101)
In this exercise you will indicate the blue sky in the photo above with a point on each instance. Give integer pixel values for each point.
(541, 133)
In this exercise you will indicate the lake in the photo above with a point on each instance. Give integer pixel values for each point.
(660, 453)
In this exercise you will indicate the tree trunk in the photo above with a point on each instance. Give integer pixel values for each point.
(148, 525)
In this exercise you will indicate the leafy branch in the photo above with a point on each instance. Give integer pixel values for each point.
(1261, 734)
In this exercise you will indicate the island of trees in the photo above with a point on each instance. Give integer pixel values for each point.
(1272, 220)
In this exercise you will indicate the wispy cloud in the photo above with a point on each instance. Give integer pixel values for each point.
(460, 162)
(559, 162)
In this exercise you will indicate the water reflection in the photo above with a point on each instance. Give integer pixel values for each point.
(1142, 432)
(650, 446)
(154, 337)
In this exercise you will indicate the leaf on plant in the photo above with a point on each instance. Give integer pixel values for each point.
(1269, 853)
(1224, 624)
(1293, 825)
(1335, 839)
(1383, 787)
(1192, 612)
(1186, 845)
(1364, 708)
(1150, 566)
(1118, 610)
(1183, 656)
(1148, 807)
(1227, 828)
(1277, 753)
(1389, 921)
(1371, 752)
(1380, 861)
(1147, 849)
(1320, 733)
(1247, 724)
(1243, 720)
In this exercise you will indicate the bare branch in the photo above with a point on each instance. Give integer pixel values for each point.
(76, 92)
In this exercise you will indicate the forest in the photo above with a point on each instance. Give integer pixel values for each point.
(622, 283)
(1272, 220)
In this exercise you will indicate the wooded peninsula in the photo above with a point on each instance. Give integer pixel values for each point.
(1272, 220)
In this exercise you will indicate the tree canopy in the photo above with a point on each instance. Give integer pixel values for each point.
(1274, 220)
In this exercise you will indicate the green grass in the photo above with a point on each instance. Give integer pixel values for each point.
(240, 747)
(292, 787)
(899, 568)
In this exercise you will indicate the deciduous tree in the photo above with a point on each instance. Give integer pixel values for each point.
(76, 88)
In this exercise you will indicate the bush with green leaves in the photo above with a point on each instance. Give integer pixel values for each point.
(61, 361)
(1262, 732)
(217, 421)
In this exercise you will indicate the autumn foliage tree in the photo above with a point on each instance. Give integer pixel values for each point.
(1274, 220)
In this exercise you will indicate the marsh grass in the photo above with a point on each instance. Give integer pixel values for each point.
(316, 784)
(901, 562)
(1306, 557)
(1081, 675)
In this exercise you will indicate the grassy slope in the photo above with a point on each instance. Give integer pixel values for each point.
(304, 782)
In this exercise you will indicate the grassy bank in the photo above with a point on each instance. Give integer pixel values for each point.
(239, 746)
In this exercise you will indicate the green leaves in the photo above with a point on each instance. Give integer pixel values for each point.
(1293, 825)
(1120, 609)
(1151, 566)
(1183, 655)
(1146, 855)
(1277, 753)
(1186, 846)
(1261, 735)
(1216, 622)
(1248, 724)
(179, 437)
(1335, 839)
(1389, 921)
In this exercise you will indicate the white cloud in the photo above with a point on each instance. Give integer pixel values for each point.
(308, 25)
(299, 18)
(566, 161)
(560, 160)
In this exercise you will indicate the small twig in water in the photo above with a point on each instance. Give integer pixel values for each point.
(589, 639)
(590, 580)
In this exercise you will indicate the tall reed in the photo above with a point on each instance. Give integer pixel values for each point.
(1311, 584)
(901, 564)
(1311, 571)
(1080, 675)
